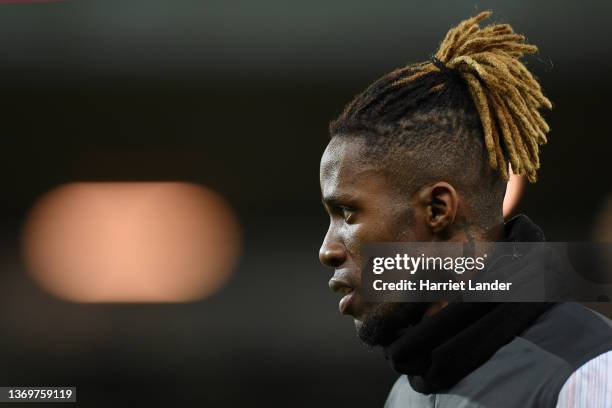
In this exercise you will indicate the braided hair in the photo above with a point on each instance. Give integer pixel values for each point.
(475, 101)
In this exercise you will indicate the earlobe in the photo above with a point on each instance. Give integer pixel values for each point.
(441, 201)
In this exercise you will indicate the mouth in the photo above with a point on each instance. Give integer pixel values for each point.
(344, 288)
(345, 303)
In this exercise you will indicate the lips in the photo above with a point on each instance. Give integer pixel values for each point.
(345, 303)
(342, 285)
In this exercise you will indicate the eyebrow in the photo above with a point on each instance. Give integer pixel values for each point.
(336, 200)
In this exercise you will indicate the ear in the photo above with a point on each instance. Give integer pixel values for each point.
(440, 202)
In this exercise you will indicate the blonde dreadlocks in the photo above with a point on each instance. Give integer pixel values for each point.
(486, 63)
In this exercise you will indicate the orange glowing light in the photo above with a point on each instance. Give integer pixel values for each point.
(131, 242)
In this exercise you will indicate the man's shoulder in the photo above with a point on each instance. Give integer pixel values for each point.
(518, 374)
(530, 370)
(590, 385)
(572, 333)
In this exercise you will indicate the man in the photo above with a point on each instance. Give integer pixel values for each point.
(423, 155)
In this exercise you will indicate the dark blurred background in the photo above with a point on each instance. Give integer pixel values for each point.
(237, 96)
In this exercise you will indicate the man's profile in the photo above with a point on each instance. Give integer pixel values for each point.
(423, 154)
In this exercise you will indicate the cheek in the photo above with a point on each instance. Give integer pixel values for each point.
(358, 235)
(403, 227)
(408, 233)
(392, 226)
(368, 231)
(353, 241)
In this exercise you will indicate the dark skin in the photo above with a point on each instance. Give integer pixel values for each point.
(364, 206)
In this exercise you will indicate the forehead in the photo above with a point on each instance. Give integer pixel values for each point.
(339, 154)
(345, 167)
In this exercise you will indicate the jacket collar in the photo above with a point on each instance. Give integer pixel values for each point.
(520, 228)
(444, 348)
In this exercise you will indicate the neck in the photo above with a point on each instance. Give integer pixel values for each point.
(472, 232)
(495, 233)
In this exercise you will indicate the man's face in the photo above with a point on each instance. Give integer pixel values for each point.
(364, 207)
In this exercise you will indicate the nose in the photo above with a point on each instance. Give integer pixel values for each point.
(332, 252)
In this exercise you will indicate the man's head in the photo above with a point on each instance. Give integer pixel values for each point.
(423, 155)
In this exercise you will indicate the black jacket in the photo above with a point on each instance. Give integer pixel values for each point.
(504, 355)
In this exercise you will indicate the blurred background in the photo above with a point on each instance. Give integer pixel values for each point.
(236, 97)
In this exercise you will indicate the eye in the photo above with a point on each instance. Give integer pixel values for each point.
(347, 213)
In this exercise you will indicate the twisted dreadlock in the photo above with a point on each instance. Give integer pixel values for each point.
(475, 84)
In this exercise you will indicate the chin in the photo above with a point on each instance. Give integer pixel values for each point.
(358, 324)
(380, 324)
